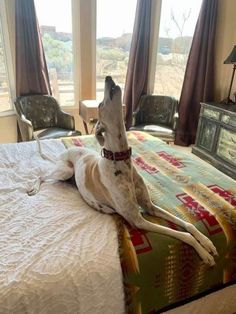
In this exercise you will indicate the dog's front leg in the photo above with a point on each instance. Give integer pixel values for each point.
(130, 211)
(145, 202)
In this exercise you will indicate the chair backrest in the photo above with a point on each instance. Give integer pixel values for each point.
(156, 109)
(41, 110)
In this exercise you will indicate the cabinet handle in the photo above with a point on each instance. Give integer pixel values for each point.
(233, 140)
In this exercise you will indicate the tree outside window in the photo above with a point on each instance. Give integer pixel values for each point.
(114, 35)
(177, 24)
(56, 32)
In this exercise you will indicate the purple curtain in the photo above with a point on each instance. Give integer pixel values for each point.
(31, 68)
(137, 72)
(199, 75)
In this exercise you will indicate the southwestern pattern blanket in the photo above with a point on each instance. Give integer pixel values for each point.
(159, 271)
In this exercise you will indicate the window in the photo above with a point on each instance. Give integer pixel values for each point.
(56, 31)
(177, 24)
(5, 95)
(115, 21)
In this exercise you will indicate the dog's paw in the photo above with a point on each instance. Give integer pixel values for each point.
(35, 188)
(32, 192)
(207, 244)
(203, 240)
(208, 259)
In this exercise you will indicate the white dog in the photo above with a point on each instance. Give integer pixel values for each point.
(109, 183)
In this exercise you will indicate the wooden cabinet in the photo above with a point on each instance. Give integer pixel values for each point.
(216, 136)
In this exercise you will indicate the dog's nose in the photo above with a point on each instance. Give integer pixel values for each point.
(108, 78)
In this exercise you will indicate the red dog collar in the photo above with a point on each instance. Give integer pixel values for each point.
(117, 156)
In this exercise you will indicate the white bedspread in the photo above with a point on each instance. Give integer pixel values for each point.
(57, 255)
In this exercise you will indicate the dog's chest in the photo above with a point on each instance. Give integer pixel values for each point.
(90, 181)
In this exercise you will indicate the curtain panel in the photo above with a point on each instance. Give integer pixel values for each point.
(198, 82)
(31, 68)
(137, 72)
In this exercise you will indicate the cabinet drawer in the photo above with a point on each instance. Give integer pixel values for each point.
(227, 119)
(210, 113)
(226, 148)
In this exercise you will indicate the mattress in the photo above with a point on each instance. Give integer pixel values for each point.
(57, 254)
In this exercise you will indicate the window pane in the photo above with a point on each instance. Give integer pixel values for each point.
(178, 20)
(56, 31)
(5, 101)
(115, 21)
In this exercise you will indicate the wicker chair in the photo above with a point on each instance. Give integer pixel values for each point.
(157, 115)
(43, 113)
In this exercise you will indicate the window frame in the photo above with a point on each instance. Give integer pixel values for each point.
(83, 16)
(84, 21)
(6, 36)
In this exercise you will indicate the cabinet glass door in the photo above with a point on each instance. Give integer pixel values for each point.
(226, 148)
(207, 134)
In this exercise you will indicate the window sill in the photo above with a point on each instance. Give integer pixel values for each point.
(69, 108)
(7, 113)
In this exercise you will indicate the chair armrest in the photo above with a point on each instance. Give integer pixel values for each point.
(134, 118)
(26, 128)
(65, 120)
(175, 121)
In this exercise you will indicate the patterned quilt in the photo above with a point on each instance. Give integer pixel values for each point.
(158, 270)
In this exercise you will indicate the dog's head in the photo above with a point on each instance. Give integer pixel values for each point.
(109, 110)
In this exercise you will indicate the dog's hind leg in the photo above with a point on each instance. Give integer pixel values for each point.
(61, 172)
(145, 202)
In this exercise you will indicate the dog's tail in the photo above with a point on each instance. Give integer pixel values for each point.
(36, 187)
(40, 150)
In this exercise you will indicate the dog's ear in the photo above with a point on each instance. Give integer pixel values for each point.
(98, 133)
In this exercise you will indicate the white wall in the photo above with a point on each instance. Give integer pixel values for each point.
(8, 131)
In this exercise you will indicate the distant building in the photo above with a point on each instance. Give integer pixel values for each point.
(47, 29)
(64, 36)
(177, 45)
(51, 30)
(165, 45)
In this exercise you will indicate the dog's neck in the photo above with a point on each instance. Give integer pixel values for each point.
(115, 138)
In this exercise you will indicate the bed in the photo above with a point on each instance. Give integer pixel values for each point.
(60, 256)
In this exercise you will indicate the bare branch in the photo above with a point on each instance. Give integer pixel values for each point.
(175, 21)
(185, 17)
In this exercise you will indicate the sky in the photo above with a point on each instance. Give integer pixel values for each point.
(115, 17)
(179, 8)
(61, 17)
